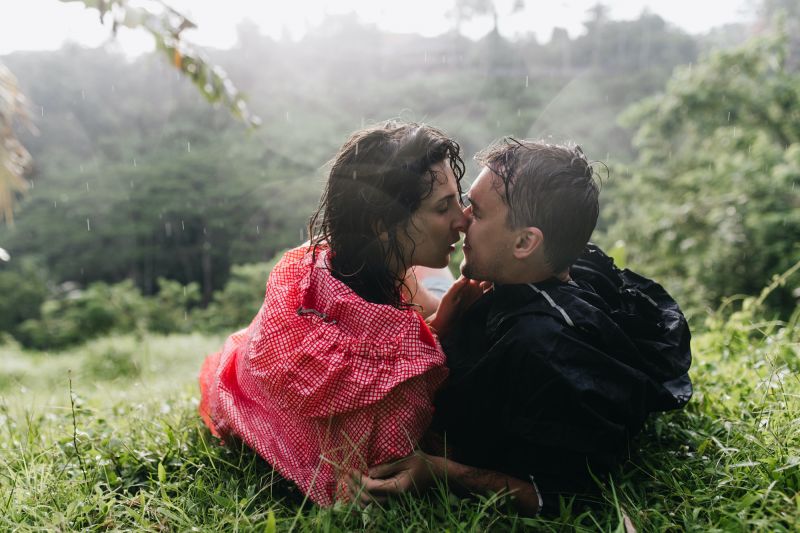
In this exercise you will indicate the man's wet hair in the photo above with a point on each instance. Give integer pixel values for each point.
(549, 186)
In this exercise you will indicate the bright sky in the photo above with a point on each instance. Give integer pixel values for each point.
(47, 24)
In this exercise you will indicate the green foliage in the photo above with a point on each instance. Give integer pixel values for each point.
(109, 362)
(712, 205)
(235, 306)
(23, 289)
(168, 310)
(74, 316)
(77, 315)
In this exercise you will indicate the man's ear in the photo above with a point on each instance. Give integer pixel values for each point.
(527, 242)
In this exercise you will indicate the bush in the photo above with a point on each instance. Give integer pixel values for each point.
(236, 305)
(22, 291)
(75, 315)
(168, 311)
(110, 363)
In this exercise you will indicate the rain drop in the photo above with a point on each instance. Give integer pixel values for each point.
(258, 231)
(83, 94)
(188, 146)
(287, 116)
(134, 162)
(87, 186)
(183, 227)
(526, 81)
(42, 107)
(88, 225)
(729, 116)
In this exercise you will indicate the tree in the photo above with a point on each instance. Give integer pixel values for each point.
(166, 25)
(713, 201)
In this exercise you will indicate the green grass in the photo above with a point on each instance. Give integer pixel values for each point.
(126, 450)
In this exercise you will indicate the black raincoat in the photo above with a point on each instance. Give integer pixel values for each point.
(552, 379)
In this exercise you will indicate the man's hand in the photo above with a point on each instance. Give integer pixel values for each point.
(417, 472)
(461, 295)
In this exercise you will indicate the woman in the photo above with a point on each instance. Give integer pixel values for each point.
(338, 369)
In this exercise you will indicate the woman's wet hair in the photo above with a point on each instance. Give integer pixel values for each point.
(377, 180)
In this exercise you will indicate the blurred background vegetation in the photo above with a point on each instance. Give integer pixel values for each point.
(149, 210)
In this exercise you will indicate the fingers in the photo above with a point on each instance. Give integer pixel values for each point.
(364, 490)
(387, 469)
(355, 489)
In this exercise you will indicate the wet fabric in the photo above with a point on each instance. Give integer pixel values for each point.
(553, 379)
(323, 381)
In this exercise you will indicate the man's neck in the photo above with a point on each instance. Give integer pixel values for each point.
(537, 277)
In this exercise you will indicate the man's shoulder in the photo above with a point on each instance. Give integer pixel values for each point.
(545, 308)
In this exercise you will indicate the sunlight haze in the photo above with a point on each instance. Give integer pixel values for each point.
(47, 24)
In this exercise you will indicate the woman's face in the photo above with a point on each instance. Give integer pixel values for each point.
(434, 228)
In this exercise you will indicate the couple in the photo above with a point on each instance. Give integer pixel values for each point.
(555, 357)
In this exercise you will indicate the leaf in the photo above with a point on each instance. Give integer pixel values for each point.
(270, 526)
(162, 473)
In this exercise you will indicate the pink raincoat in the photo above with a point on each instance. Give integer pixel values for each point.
(323, 381)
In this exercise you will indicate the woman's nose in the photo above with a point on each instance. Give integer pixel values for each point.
(462, 221)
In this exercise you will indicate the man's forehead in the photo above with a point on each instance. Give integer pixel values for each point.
(487, 181)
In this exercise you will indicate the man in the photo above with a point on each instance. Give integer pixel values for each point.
(556, 367)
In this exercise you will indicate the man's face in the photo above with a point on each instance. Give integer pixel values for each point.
(489, 242)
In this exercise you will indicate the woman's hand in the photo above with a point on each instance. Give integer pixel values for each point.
(461, 295)
(417, 472)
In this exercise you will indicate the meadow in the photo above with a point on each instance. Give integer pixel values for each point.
(105, 436)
